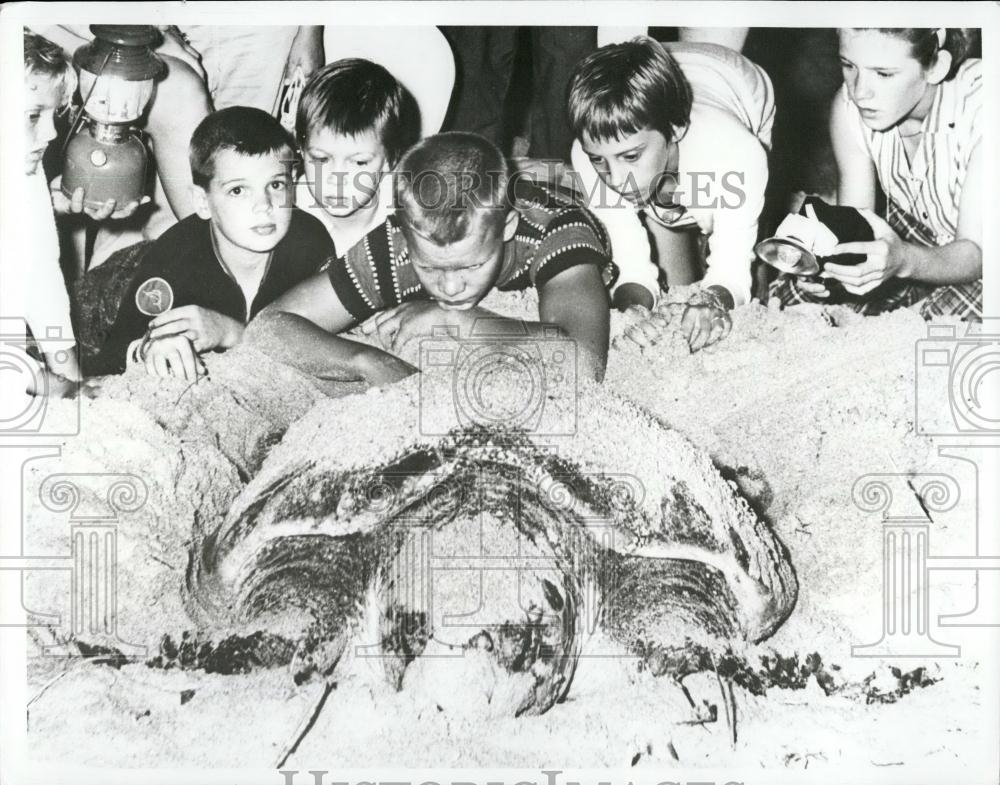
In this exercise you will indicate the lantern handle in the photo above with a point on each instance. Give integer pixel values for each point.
(76, 120)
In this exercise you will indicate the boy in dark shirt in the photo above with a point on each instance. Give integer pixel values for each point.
(461, 228)
(244, 246)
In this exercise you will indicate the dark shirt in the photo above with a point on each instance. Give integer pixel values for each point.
(553, 234)
(184, 256)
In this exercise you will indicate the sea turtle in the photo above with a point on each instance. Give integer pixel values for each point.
(483, 558)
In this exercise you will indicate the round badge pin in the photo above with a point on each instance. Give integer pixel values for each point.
(154, 297)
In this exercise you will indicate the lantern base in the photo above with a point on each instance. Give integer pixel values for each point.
(105, 167)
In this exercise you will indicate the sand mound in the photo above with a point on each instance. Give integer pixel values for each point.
(793, 407)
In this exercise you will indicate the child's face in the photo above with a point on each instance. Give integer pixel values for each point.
(247, 199)
(633, 166)
(883, 78)
(343, 172)
(44, 95)
(460, 275)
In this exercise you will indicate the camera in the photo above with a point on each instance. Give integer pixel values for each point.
(965, 371)
(22, 414)
(496, 378)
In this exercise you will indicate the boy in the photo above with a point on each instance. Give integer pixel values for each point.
(243, 247)
(353, 123)
(456, 234)
(49, 83)
(680, 133)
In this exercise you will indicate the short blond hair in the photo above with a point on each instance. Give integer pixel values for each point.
(47, 59)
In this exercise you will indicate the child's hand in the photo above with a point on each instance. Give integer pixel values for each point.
(706, 319)
(75, 205)
(398, 325)
(55, 385)
(173, 356)
(885, 258)
(812, 288)
(204, 328)
(647, 328)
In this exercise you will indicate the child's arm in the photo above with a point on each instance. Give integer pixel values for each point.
(205, 328)
(856, 178)
(300, 328)
(576, 301)
(889, 256)
(736, 194)
(637, 281)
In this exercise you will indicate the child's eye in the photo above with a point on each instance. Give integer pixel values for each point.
(278, 185)
(846, 66)
(631, 158)
(34, 117)
(884, 74)
(318, 159)
(236, 190)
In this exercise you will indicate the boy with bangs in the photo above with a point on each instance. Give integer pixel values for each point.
(353, 123)
(679, 133)
(462, 227)
(243, 247)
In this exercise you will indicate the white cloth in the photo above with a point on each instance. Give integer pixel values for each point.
(722, 171)
(47, 310)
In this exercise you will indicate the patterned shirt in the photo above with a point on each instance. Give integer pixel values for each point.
(923, 196)
(553, 234)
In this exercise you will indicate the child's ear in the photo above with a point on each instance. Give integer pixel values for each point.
(510, 226)
(200, 201)
(940, 67)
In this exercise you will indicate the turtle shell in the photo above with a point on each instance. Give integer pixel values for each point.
(474, 564)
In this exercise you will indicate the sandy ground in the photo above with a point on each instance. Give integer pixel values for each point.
(793, 406)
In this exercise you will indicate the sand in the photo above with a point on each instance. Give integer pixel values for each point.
(793, 407)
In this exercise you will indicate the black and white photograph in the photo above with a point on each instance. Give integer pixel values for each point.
(545, 393)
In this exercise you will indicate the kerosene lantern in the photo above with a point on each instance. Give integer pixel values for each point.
(118, 73)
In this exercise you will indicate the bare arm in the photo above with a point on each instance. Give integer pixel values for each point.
(576, 301)
(856, 178)
(300, 328)
(889, 256)
(961, 260)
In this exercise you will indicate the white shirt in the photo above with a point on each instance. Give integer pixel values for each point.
(722, 171)
(46, 309)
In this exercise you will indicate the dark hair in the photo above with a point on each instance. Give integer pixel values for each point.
(355, 96)
(622, 89)
(245, 130)
(925, 43)
(41, 56)
(447, 181)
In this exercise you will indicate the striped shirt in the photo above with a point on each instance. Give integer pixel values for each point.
(554, 233)
(923, 196)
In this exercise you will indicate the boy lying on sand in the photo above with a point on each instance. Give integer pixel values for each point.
(461, 228)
